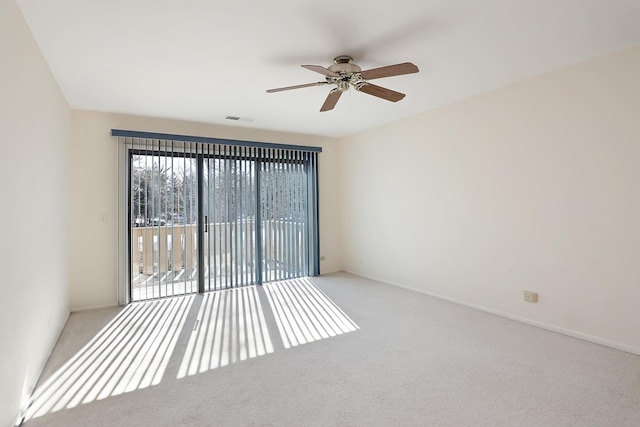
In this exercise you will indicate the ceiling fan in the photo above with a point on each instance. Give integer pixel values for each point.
(344, 74)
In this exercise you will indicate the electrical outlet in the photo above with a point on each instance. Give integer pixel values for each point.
(530, 296)
(321, 257)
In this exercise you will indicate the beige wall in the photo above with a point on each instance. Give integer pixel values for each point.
(534, 186)
(93, 192)
(35, 120)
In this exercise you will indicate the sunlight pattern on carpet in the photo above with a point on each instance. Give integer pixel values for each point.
(304, 313)
(130, 353)
(231, 327)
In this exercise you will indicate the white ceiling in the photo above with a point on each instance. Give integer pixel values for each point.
(201, 60)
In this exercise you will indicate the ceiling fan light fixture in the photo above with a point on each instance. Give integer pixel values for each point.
(343, 85)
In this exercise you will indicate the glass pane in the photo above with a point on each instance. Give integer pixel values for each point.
(163, 225)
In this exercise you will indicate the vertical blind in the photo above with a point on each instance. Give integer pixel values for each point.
(205, 214)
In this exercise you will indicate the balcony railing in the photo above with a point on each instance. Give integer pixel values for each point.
(164, 258)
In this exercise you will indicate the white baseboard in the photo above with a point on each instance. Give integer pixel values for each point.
(564, 331)
(94, 307)
(324, 273)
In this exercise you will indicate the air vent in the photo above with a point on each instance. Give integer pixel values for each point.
(241, 119)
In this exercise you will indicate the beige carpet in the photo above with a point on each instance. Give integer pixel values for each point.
(336, 350)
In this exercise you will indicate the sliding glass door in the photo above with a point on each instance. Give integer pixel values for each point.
(283, 212)
(204, 217)
(229, 215)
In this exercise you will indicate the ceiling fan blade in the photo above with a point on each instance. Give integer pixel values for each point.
(280, 89)
(320, 69)
(381, 92)
(332, 100)
(389, 70)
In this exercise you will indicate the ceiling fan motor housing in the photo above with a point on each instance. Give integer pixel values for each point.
(344, 65)
(349, 73)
